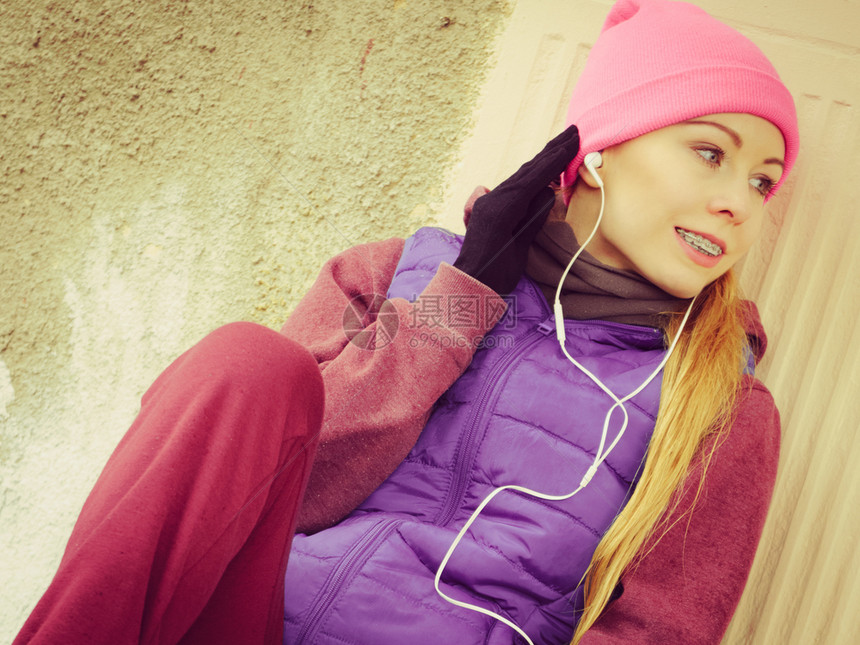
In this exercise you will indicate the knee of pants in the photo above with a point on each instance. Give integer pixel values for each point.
(258, 356)
(250, 358)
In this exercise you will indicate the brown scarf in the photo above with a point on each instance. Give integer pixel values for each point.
(593, 290)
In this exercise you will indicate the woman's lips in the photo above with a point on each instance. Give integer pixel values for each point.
(698, 254)
(711, 238)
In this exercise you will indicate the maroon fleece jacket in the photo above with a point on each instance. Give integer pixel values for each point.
(684, 590)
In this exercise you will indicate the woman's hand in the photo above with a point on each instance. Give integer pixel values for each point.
(504, 222)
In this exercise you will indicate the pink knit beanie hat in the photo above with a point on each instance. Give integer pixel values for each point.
(659, 62)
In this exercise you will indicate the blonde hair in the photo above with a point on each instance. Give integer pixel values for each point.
(700, 385)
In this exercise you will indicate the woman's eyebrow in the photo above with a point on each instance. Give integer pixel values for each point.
(736, 138)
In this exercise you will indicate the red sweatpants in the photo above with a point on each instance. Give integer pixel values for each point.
(184, 538)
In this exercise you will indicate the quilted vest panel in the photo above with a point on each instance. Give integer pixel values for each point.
(520, 414)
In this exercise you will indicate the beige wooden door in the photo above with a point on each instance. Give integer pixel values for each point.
(805, 277)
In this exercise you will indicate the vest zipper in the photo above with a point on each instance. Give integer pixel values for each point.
(349, 565)
(465, 456)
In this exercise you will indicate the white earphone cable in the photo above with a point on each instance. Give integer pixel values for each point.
(601, 454)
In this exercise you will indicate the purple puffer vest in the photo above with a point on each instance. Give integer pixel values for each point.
(520, 414)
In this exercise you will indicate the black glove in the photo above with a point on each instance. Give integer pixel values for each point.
(505, 221)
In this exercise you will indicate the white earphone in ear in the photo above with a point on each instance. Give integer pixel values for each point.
(593, 161)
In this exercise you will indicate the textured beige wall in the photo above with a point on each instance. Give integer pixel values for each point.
(171, 166)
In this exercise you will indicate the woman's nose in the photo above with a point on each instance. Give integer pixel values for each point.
(734, 200)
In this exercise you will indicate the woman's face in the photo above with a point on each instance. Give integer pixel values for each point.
(683, 203)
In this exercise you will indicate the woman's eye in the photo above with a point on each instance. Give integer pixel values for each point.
(762, 184)
(713, 156)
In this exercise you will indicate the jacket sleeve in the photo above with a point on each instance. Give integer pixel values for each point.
(383, 367)
(686, 589)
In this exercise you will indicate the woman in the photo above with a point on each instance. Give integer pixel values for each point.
(481, 378)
